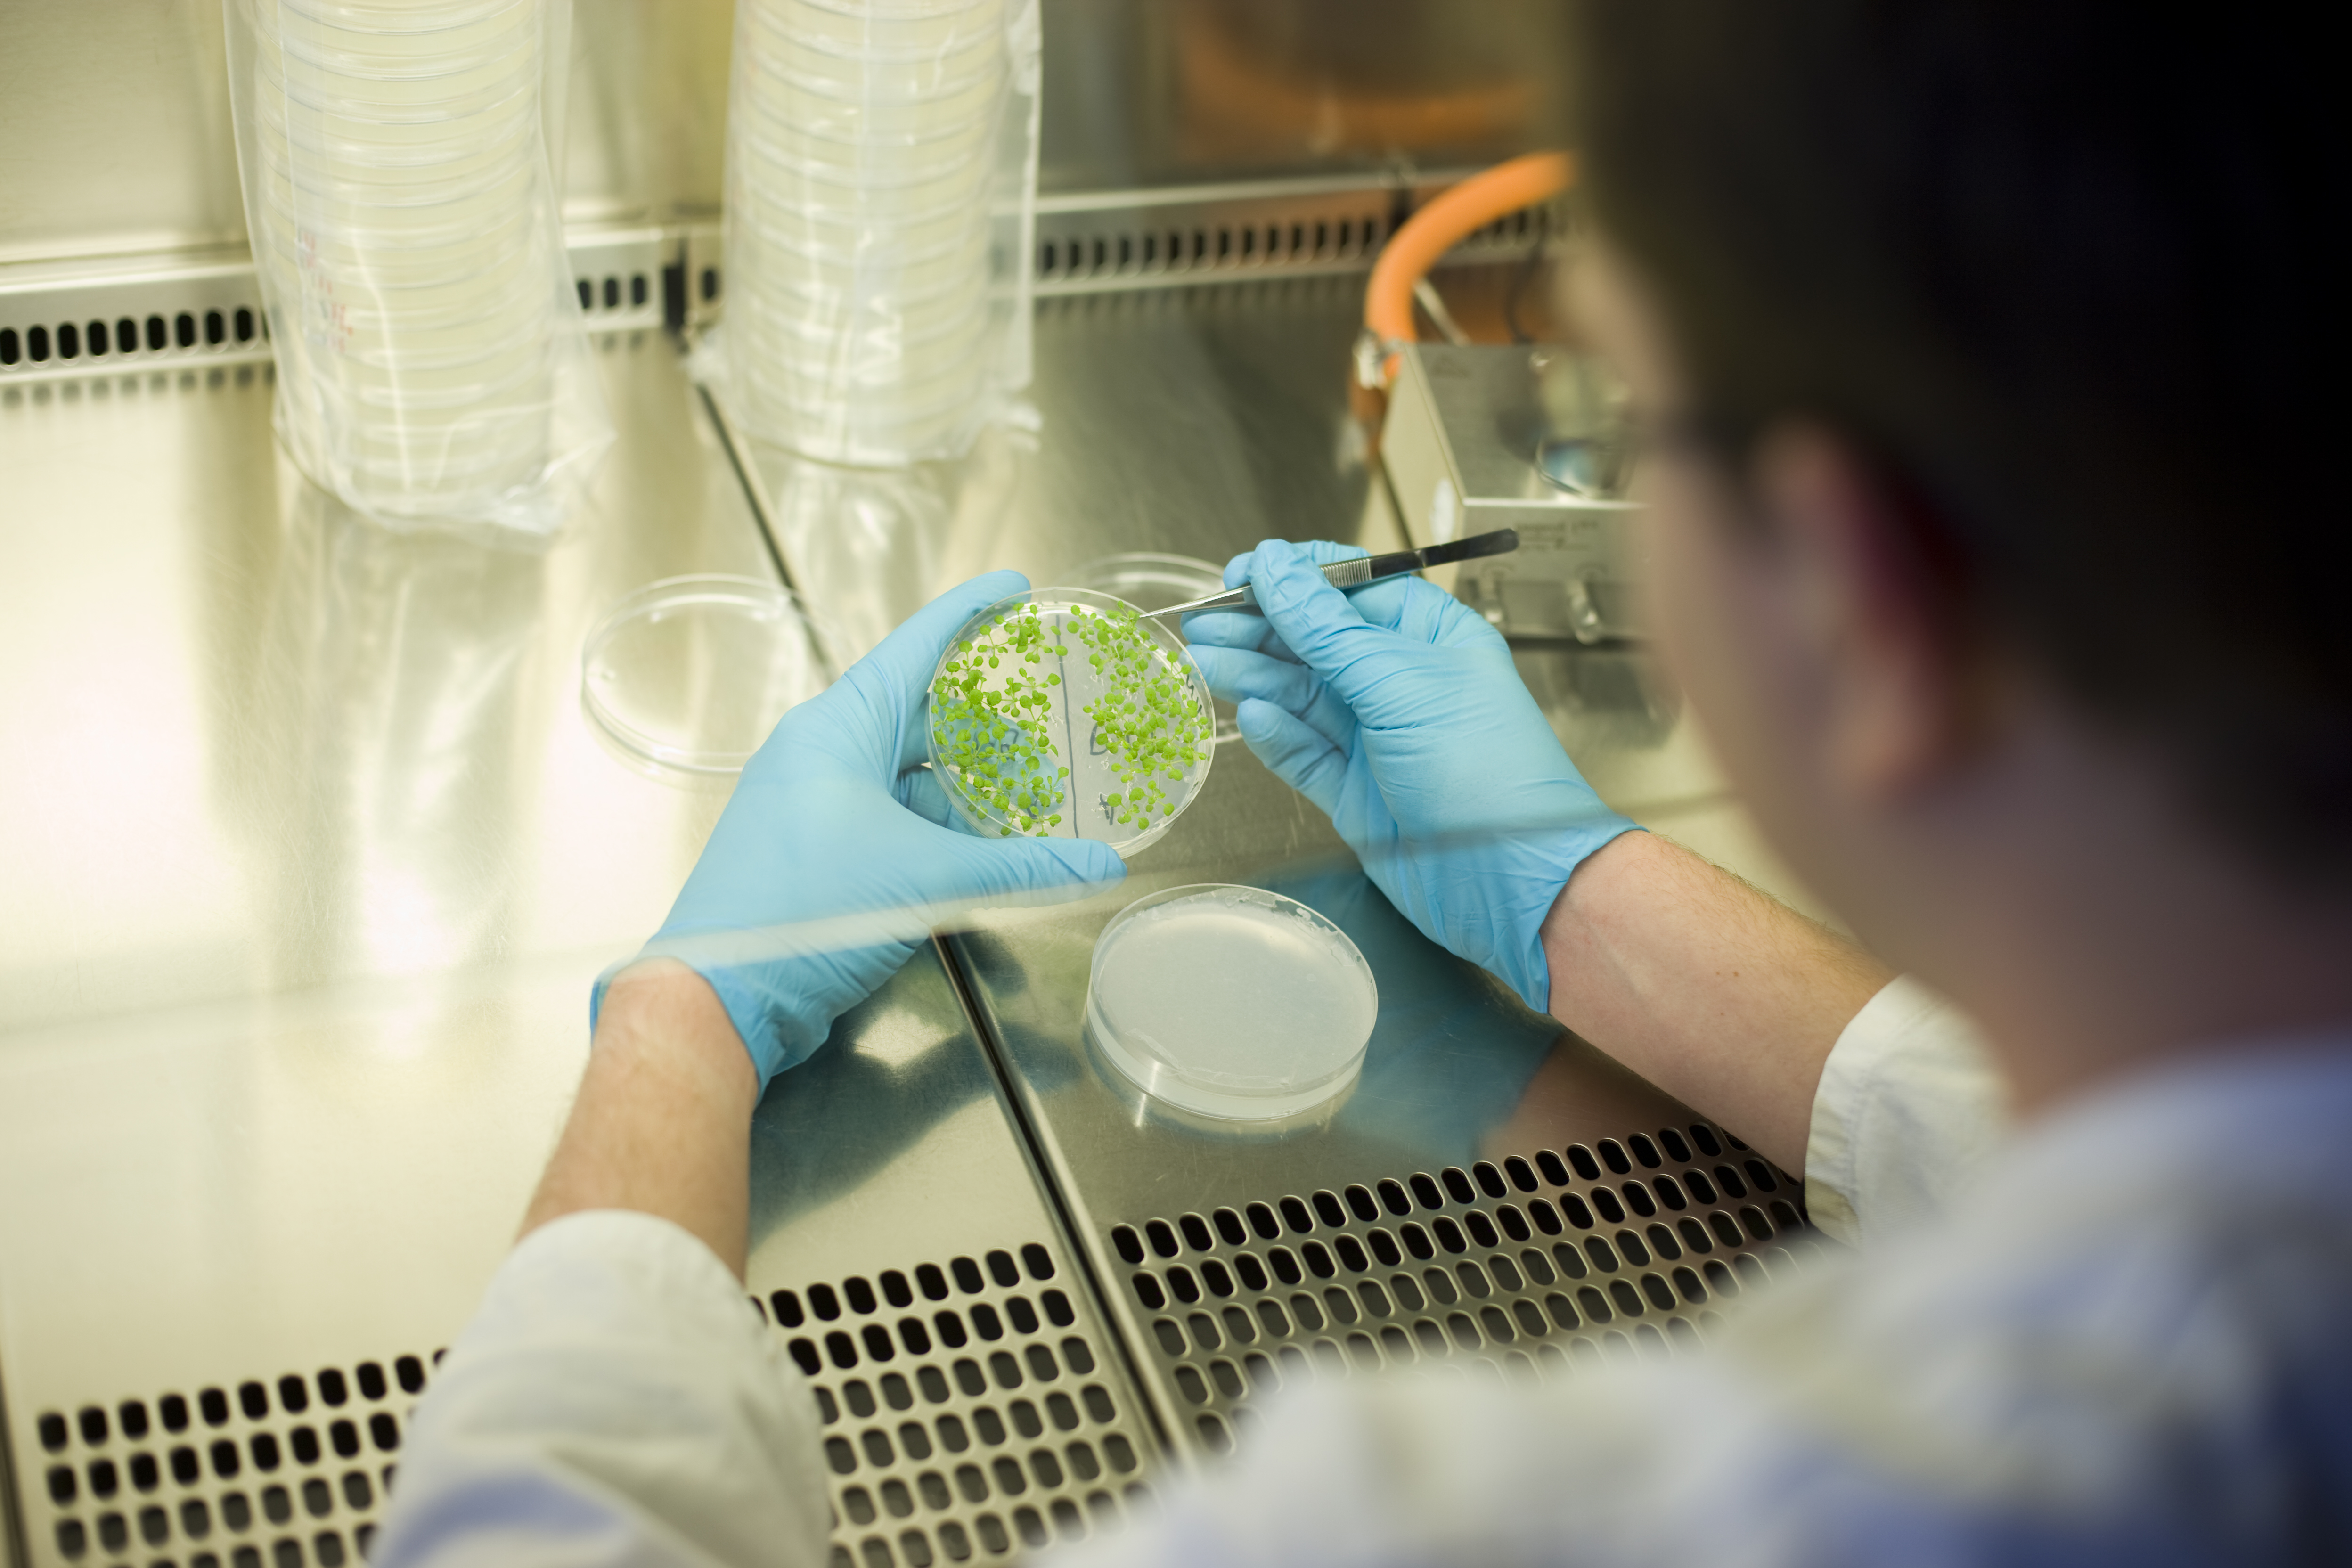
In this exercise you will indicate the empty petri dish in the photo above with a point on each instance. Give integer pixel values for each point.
(688, 675)
(1057, 713)
(1231, 1002)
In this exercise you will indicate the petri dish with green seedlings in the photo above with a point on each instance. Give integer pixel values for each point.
(1059, 713)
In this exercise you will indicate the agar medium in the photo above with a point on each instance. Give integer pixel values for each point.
(1231, 1002)
(1058, 714)
(687, 676)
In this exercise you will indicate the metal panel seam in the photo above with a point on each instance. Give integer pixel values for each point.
(14, 1547)
(1033, 1153)
(732, 444)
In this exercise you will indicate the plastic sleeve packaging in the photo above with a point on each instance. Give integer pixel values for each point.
(881, 182)
(433, 368)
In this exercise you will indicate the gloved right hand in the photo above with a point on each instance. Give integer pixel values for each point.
(1397, 710)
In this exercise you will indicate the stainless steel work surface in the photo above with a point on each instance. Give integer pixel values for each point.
(312, 859)
(258, 745)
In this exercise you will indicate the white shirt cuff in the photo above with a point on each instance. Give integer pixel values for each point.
(1909, 1104)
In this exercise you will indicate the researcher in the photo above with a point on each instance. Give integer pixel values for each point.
(1988, 360)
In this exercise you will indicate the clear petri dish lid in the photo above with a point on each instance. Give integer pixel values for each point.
(1057, 713)
(940, 257)
(968, 112)
(889, 10)
(424, 29)
(394, 194)
(924, 294)
(387, 108)
(324, 65)
(920, 374)
(408, 17)
(476, 225)
(822, 79)
(801, 70)
(361, 148)
(878, 41)
(1231, 1002)
(685, 677)
(917, 181)
(933, 392)
(428, 393)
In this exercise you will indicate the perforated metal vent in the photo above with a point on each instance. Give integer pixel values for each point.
(279, 1472)
(966, 1409)
(72, 321)
(104, 322)
(966, 1412)
(78, 319)
(127, 335)
(1093, 242)
(1515, 1271)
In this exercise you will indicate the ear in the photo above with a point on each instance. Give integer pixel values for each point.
(1873, 609)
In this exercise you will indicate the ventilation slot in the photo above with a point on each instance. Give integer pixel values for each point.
(615, 293)
(99, 344)
(1241, 234)
(1141, 253)
(1520, 1271)
(966, 1415)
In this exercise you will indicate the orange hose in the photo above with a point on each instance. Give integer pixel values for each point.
(1460, 211)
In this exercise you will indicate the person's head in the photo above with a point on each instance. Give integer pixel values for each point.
(1992, 350)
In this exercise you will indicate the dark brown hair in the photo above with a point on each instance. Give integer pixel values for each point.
(2077, 277)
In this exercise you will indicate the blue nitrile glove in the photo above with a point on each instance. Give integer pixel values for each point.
(1397, 710)
(838, 852)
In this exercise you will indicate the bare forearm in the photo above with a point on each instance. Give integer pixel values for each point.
(1716, 994)
(663, 1123)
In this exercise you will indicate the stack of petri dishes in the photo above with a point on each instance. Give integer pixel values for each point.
(864, 141)
(399, 188)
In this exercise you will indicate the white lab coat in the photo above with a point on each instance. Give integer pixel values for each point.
(2119, 1338)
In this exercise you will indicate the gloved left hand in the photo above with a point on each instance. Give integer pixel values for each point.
(838, 852)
